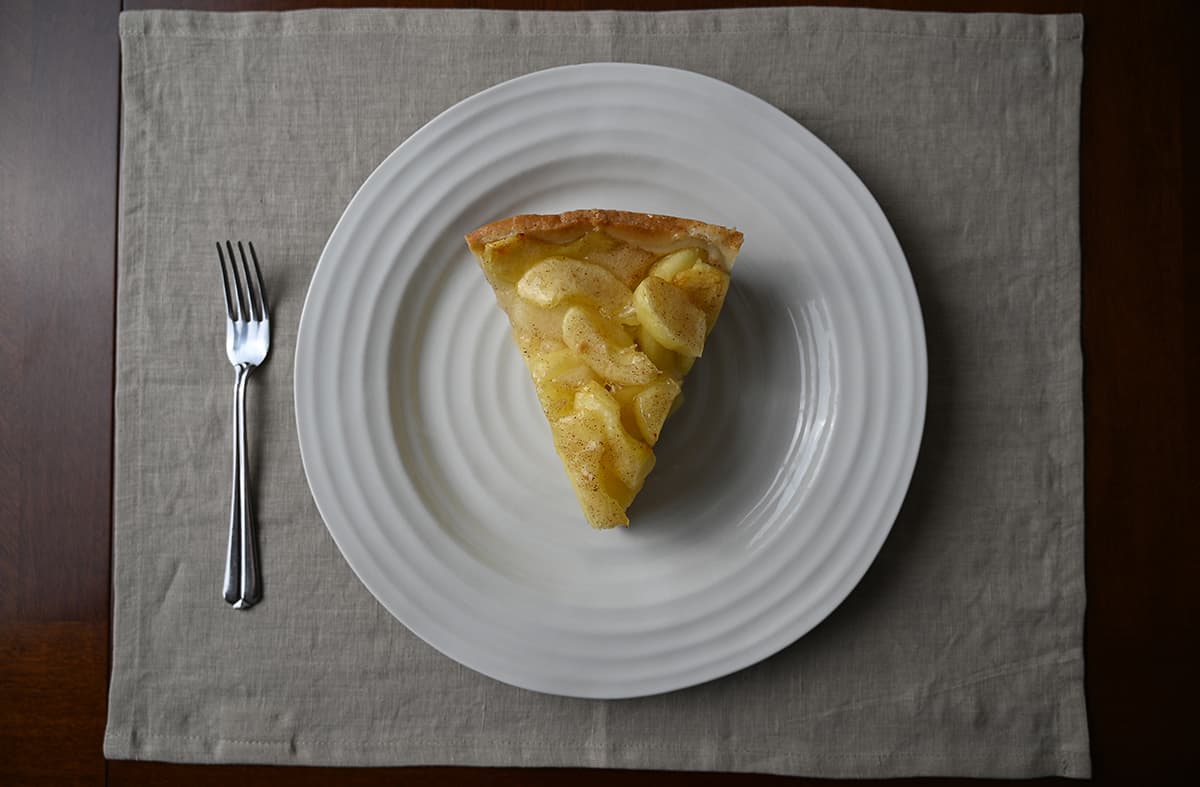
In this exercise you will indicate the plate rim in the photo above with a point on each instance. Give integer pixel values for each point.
(911, 307)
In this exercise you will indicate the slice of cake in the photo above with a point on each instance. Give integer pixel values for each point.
(610, 309)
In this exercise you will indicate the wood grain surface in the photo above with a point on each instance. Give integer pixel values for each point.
(59, 132)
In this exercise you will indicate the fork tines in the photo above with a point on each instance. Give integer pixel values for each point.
(250, 302)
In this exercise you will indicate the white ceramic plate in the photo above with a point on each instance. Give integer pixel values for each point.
(777, 482)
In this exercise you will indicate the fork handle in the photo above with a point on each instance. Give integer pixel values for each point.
(243, 587)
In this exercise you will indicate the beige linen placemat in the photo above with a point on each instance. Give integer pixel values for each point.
(960, 652)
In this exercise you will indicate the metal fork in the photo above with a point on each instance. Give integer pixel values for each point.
(247, 341)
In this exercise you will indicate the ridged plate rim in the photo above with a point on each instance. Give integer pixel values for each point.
(530, 645)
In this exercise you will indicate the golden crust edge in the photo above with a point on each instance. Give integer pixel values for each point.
(646, 228)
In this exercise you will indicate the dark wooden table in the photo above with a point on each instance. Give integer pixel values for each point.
(59, 127)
